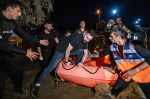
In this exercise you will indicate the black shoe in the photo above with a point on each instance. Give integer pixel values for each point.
(34, 90)
(19, 90)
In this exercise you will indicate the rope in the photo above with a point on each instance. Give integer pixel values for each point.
(69, 68)
(91, 72)
(110, 71)
(83, 68)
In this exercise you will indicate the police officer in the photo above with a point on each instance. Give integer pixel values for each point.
(11, 10)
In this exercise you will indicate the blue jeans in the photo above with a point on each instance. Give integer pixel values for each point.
(57, 57)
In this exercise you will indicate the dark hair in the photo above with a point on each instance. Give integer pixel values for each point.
(68, 31)
(113, 26)
(118, 32)
(10, 3)
(91, 32)
(48, 22)
(82, 21)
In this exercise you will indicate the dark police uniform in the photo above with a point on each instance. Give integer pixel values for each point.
(8, 63)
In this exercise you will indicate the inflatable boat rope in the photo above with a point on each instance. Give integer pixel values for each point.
(83, 67)
(88, 70)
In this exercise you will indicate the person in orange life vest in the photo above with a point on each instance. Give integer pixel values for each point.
(133, 61)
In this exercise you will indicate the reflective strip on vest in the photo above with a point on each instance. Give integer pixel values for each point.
(135, 60)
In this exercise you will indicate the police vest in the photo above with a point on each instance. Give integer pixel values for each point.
(129, 60)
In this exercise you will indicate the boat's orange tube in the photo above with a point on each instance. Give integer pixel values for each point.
(87, 76)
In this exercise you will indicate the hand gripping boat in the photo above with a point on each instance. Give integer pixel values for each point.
(87, 76)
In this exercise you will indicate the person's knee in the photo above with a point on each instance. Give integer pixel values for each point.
(81, 51)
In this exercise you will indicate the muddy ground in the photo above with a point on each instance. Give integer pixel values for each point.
(49, 88)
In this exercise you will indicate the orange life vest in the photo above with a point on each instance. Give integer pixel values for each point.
(103, 61)
(129, 60)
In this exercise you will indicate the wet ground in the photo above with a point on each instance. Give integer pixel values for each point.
(49, 89)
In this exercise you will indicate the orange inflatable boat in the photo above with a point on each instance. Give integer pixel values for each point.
(87, 76)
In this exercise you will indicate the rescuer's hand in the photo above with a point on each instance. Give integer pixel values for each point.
(44, 42)
(31, 55)
(67, 63)
(40, 58)
(129, 74)
(80, 64)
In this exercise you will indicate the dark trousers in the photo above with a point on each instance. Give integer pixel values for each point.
(10, 66)
(121, 84)
(145, 88)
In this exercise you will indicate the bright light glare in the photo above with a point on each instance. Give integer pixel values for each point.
(114, 11)
(98, 11)
(136, 22)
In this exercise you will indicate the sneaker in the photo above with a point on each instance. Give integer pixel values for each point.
(34, 90)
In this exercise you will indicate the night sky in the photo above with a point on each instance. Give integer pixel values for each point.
(73, 11)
